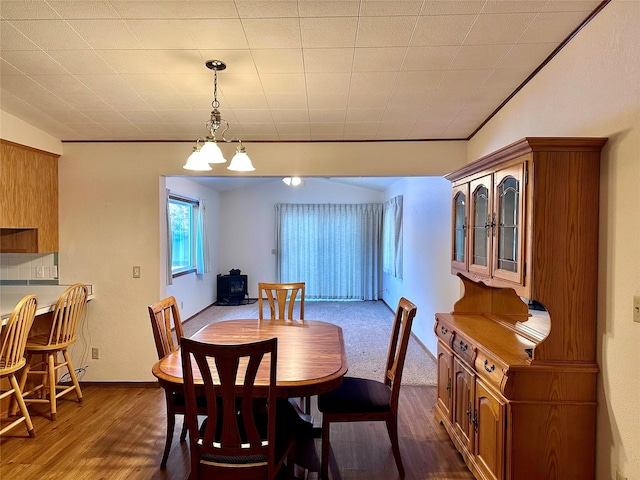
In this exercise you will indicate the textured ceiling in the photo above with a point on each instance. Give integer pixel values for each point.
(300, 70)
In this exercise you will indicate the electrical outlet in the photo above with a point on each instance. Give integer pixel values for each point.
(136, 272)
(636, 309)
(95, 353)
(619, 476)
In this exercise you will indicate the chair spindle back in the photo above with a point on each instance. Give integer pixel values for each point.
(13, 336)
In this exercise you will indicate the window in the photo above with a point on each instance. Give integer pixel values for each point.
(182, 215)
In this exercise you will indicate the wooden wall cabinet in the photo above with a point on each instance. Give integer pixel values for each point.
(494, 244)
(28, 200)
(517, 386)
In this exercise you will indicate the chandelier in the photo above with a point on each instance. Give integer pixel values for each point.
(206, 150)
(293, 181)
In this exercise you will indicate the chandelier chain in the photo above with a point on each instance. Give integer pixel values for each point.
(206, 150)
(215, 104)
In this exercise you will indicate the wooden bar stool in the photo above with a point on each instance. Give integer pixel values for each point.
(13, 339)
(67, 314)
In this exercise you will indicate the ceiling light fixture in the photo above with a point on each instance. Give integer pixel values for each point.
(207, 150)
(293, 181)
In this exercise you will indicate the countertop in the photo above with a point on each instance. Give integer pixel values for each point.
(48, 295)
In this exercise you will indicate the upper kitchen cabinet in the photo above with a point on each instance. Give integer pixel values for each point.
(28, 200)
(512, 206)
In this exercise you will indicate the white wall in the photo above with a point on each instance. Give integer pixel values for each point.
(427, 279)
(193, 292)
(246, 228)
(247, 223)
(592, 88)
(15, 130)
(110, 221)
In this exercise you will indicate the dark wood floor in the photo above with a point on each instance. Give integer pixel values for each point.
(118, 433)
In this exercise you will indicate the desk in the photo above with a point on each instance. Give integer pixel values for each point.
(311, 355)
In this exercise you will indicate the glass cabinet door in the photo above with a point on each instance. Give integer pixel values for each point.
(509, 204)
(459, 241)
(480, 225)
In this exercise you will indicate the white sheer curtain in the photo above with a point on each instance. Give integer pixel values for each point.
(203, 265)
(169, 265)
(392, 237)
(335, 249)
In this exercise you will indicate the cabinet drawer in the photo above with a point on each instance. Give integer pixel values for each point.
(443, 332)
(490, 368)
(464, 349)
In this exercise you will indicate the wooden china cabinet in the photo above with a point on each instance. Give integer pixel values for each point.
(517, 354)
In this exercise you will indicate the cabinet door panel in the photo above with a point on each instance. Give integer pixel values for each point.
(445, 380)
(460, 226)
(509, 195)
(29, 198)
(480, 225)
(489, 433)
(462, 411)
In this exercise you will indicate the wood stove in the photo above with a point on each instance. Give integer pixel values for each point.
(232, 289)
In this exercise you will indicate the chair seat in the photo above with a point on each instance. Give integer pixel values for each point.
(234, 460)
(284, 434)
(179, 401)
(7, 368)
(356, 395)
(288, 425)
(41, 342)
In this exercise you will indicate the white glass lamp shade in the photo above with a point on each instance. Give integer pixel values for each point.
(241, 161)
(211, 152)
(196, 161)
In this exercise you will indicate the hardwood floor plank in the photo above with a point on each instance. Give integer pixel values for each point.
(118, 433)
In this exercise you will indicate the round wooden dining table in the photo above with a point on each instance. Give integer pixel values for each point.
(311, 355)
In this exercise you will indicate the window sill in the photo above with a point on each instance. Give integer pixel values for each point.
(183, 272)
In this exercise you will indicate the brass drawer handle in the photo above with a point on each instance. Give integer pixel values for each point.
(463, 346)
(443, 330)
(489, 369)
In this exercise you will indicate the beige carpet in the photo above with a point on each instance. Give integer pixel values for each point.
(366, 328)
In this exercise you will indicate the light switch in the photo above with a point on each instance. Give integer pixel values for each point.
(136, 272)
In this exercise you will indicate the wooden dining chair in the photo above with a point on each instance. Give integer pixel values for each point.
(281, 298)
(237, 440)
(167, 331)
(359, 399)
(67, 314)
(13, 340)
